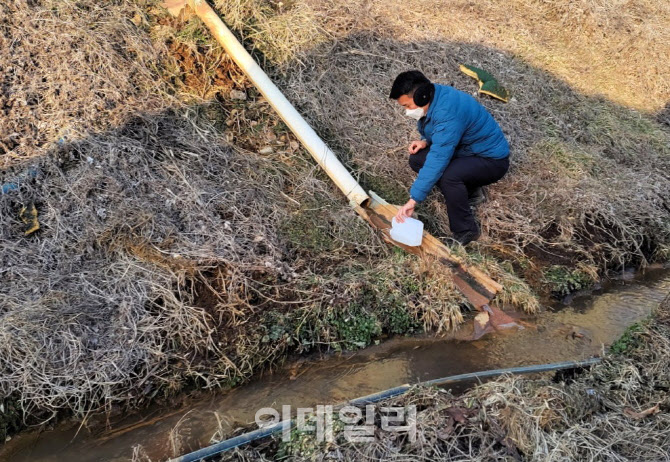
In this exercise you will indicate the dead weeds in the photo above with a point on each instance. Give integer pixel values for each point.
(165, 257)
(589, 178)
(162, 244)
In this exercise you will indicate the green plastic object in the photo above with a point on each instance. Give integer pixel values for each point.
(487, 83)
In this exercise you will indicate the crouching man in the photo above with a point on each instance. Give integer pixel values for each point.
(462, 148)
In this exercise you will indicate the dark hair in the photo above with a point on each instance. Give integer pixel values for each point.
(414, 84)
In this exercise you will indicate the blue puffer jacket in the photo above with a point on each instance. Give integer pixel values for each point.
(456, 125)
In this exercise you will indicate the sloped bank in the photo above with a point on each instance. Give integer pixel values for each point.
(173, 251)
(169, 228)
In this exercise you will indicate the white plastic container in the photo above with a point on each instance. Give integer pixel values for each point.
(409, 233)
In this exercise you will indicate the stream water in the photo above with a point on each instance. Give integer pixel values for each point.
(589, 324)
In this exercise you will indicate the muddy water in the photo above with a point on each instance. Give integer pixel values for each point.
(583, 329)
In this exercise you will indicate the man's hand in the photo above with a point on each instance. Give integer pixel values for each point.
(405, 211)
(416, 146)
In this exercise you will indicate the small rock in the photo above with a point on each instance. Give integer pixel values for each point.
(239, 95)
(266, 150)
(294, 145)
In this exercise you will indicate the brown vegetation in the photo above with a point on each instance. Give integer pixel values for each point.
(168, 256)
(187, 239)
(590, 177)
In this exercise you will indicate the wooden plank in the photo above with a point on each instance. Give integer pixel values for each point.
(477, 287)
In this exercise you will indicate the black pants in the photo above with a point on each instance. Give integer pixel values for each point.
(459, 180)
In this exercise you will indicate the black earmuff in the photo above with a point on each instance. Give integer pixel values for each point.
(423, 94)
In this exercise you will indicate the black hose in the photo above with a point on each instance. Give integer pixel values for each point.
(231, 443)
(513, 370)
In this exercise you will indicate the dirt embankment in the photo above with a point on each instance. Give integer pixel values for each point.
(186, 239)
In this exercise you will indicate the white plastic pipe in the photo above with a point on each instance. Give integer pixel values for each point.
(302, 130)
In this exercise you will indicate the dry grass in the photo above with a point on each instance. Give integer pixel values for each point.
(590, 176)
(68, 71)
(168, 256)
(177, 250)
(279, 32)
(110, 304)
(614, 48)
(158, 255)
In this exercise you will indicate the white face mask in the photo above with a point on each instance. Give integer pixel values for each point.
(415, 114)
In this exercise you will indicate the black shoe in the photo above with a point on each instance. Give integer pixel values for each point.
(467, 237)
(477, 197)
